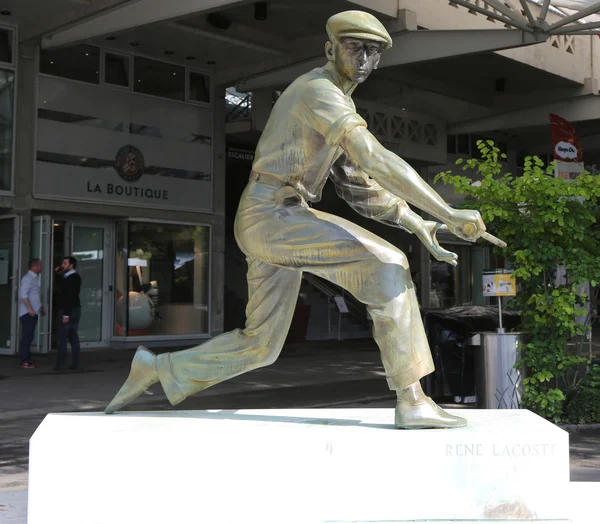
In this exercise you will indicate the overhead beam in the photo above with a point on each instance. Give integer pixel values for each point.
(576, 28)
(412, 82)
(544, 11)
(489, 13)
(280, 76)
(527, 10)
(510, 102)
(61, 18)
(409, 47)
(421, 46)
(509, 12)
(574, 110)
(134, 13)
(582, 13)
(230, 37)
(385, 7)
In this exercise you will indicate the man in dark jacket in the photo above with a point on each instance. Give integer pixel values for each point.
(68, 312)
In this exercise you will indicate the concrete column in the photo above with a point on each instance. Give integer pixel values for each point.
(25, 141)
(217, 302)
(262, 103)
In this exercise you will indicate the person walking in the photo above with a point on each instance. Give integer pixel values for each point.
(68, 312)
(30, 307)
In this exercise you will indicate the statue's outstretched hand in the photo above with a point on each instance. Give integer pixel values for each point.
(468, 225)
(426, 232)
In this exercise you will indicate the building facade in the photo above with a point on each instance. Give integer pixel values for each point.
(115, 165)
(121, 146)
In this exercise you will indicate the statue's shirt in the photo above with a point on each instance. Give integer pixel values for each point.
(300, 141)
(300, 144)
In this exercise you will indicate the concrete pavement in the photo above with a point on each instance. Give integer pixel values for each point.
(319, 374)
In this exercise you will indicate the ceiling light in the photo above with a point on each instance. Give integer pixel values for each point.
(168, 52)
(134, 44)
(260, 10)
(190, 57)
(211, 62)
(52, 62)
(5, 12)
(110, 38)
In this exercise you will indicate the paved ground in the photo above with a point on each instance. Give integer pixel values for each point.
(307, 375)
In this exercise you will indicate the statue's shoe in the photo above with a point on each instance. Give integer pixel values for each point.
(425, 414)
(143, 374)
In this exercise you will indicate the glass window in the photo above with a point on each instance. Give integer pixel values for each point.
(199, 87)
(503, 147)
(451, 144)
(462, 144)
(7, 246)
(474, 149)
(452, 286)
(88, 249)
(80, 62)
(7, 100)
(6, 45)
(159, 79)
(116, 69)
(162, 279)
(442, 293)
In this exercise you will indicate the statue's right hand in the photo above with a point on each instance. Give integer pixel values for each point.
(466, 224)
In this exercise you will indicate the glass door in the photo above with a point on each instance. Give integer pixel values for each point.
(41, 247)
(10, 240)
(456, 286)
(88, 247)
(53, 239)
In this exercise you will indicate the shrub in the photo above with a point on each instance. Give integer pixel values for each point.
(547, 222)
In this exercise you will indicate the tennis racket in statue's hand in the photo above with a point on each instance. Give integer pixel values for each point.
(468, 225)
(470, 229)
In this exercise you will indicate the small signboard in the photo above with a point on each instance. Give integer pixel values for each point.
(341, 304)
(499, 283)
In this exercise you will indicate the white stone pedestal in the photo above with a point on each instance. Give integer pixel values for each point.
(294, 466)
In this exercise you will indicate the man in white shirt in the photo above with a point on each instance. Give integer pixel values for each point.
(30, 307)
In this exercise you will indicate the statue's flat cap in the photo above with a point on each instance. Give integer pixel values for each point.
(358, 24)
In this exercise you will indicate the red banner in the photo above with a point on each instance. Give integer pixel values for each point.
(566, 148)
(565, 142)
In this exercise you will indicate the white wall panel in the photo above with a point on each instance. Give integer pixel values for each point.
(90, 142)
(83, 184)
(408, 134)
(109, 103)
(172, 136)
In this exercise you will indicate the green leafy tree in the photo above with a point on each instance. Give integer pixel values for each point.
(547, 222)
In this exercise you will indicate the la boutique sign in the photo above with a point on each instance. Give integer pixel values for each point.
(129, 165)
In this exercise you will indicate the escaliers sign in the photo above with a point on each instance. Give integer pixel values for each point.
(566, 148)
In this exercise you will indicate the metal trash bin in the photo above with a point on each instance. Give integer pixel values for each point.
(498, 383)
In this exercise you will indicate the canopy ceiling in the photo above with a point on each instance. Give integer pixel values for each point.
(577, 16)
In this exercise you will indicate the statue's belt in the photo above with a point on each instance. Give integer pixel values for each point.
(286, 193)
(266, 178)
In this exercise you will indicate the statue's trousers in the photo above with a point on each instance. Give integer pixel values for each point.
(282, 237)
